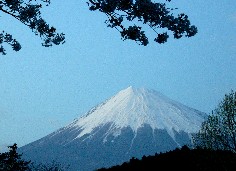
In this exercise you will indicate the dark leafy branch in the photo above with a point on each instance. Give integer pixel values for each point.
(28, 12)
(155, 15)
(123, 15)
(219, 130)
(4, 37)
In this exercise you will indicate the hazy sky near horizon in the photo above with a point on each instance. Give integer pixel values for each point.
(43, 89)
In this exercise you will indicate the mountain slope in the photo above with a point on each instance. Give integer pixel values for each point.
(133, 123)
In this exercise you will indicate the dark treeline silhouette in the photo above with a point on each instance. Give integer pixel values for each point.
(12, 161)
(182, 159)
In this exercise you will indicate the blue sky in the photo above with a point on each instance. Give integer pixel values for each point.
(43, 89)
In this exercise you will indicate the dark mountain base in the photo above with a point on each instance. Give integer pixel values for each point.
(133, 123)
(181, 159)
(90, 152)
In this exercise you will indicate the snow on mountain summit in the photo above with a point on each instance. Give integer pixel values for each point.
(132, 123)
(135, 107)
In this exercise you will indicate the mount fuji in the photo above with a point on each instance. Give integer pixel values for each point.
(133, 123)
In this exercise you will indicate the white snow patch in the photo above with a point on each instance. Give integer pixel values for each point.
(135, 107)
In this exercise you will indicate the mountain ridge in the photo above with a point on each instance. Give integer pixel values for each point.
(131, 107)
(132, 123)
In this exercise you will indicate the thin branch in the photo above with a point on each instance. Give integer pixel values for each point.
(5, 11)
(15, 16)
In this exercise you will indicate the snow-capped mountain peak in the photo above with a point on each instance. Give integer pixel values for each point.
(133, 123)
(135, 107)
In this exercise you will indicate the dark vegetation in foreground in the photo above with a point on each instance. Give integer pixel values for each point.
(12, 161)
(182, 159)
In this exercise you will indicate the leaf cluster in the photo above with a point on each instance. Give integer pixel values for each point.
(155, 15)
(219, 130)
(7, 38)
(28, 12)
